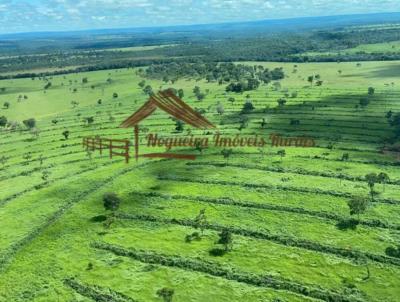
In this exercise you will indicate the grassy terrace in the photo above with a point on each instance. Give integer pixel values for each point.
(285, 213)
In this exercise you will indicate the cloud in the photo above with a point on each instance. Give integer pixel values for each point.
(83, 14)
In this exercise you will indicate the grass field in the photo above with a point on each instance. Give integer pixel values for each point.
(375, 48)
(284, 213)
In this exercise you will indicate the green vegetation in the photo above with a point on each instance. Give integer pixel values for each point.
(237, 224)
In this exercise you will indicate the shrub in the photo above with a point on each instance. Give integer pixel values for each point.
(111, 201)
(166, 294)
(30, 123)
(3, 121)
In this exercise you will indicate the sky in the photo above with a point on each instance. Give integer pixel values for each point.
(64, 15)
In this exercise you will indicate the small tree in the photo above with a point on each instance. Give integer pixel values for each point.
(201, 221)
(310, 79)
(220, 109)
(371, 180)
(383, 178)
(179, 125)
(281, 153)
(357, 205)
(225, 238)
(47, 86)
(263, 123)
(115, 95)
(111, 201)
(181, 93)
(200, 96)
(166, 294)
(89, 120)
(371, 91)
(247, 107)
(6, 105)
(66, 134)
(30, 123)
(148, 90)
(142, 84)
(231, 100)
(281, 102)
(226, 153)
(3, 121)
(364, 102)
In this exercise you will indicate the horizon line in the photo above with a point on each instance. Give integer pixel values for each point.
(191, 24)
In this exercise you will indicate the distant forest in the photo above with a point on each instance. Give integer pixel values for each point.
(281, 47)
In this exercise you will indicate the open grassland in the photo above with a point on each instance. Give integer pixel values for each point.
(285, 213)
(374, 48)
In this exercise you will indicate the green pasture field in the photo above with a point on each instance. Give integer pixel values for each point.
(285, 213)
(374, 48)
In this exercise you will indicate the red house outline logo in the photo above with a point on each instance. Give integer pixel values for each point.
(174, 106)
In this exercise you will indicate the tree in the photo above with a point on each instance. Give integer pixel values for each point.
(200, 96)
(6, 105)
(281, 102)
(371, 91)
(30, 123)
(201, 221)
(231, 100)
(99, 101)
(364, 102)
(310, 79)
(142, 83)
(345, 157)
(47, 86)
(247, 107)
(357, 205)
(166, 294)
(225, 238)
(220, 109)
(181, 93)
(111, 202)
(383, 178)
(3, 121)
(148, 90)
(66, 134)
(226, 153)
(85, 81)
(179, 125)
(371, 180)
(281, 153)
(115, 95)
(263, 123)
(196, 90)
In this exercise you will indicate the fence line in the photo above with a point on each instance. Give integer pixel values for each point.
(100, 143)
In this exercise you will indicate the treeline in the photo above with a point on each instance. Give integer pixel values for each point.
(240, 77)
(282, 47)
